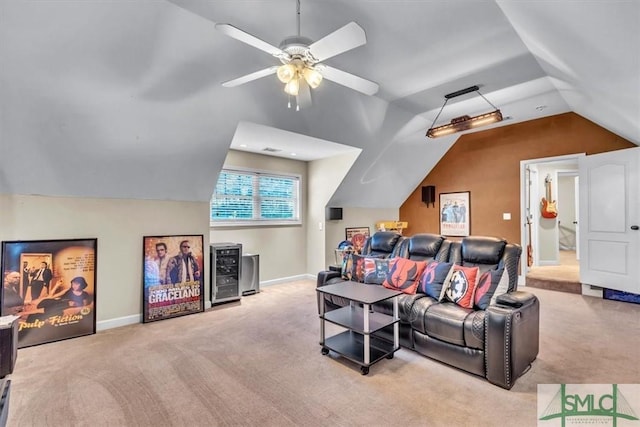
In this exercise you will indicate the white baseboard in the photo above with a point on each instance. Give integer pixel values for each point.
(119, 321)
(137, 318)
(287, 279)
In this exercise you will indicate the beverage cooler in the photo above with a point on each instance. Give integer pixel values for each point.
(226, 270)
(250, 277)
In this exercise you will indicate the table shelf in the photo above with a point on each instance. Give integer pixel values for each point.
(353, 318)
(350, 345)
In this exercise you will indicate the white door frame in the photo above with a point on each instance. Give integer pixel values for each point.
(524, 193)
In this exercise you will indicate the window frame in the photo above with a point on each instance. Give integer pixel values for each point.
(255, 173)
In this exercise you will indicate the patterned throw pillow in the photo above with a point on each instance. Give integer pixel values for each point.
(404, 275)
(357, 268)
(487, 285)
(461, 286)
(435, 275)
(375, 270)
(347, 265)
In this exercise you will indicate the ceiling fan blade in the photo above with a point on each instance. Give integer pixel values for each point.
(341, 40)
(304, 95)
(347, 79)
(251, 40)
(249, 77)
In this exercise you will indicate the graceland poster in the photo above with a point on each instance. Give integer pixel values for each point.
(51, 286)
(173, 276)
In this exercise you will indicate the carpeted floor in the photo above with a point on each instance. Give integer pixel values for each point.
(258, 362)
(564, 277)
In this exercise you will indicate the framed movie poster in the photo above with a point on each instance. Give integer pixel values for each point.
(50, 285)
(349, 232)
(455, 214)
(173, 276)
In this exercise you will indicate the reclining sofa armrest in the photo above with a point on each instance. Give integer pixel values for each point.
(511, 337)
(325, 276)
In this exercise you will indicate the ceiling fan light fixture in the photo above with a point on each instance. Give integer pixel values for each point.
(312, 76)
(292, 87)
(462, 123)
(286, 72)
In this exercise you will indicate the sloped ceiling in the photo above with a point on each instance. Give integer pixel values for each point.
(123, 99)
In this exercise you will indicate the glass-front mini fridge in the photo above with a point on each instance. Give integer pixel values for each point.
(226, 270)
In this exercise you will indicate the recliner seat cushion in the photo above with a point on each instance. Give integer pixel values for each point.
(445, 321)
(405, 306)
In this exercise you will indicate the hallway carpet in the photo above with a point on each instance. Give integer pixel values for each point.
(564, 277)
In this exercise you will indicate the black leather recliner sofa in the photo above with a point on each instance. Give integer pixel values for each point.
(498, 343)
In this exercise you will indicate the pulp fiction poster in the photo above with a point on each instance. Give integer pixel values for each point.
(50, 285)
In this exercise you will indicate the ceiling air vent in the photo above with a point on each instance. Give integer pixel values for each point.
(271, 150)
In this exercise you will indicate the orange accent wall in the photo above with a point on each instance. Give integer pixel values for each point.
(488, 165)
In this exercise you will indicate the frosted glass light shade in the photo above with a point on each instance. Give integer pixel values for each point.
(286, 72)
(292, 87)
(312, 77)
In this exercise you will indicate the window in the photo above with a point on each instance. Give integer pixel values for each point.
(253, 197)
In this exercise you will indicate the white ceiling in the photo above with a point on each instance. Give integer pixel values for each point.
(123, 99)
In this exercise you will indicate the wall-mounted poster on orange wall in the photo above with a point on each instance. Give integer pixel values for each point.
(173, 276)
(50, 285)
(455, 214)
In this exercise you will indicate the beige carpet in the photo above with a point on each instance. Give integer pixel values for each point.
(258, 363)
(564, 277)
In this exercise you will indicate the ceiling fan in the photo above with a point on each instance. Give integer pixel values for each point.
(301, 58)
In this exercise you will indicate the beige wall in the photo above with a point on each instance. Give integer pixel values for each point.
(324, 177)
(354, 217)
(119, 225)
(488, 165)
(282, 249)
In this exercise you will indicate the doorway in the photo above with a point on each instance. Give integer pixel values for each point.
(550, 234)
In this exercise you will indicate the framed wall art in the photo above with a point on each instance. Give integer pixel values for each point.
(455, 214)
(349, 232)
(50, 285)
(173, 275)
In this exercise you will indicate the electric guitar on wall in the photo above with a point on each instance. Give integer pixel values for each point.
(547, 206)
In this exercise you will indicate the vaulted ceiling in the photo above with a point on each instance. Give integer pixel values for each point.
(123, 99)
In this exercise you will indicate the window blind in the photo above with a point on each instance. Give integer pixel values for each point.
(252, 196)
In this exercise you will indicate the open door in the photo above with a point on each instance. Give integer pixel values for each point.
(610, 219)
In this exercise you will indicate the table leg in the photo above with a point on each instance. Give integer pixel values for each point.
(367, 355)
